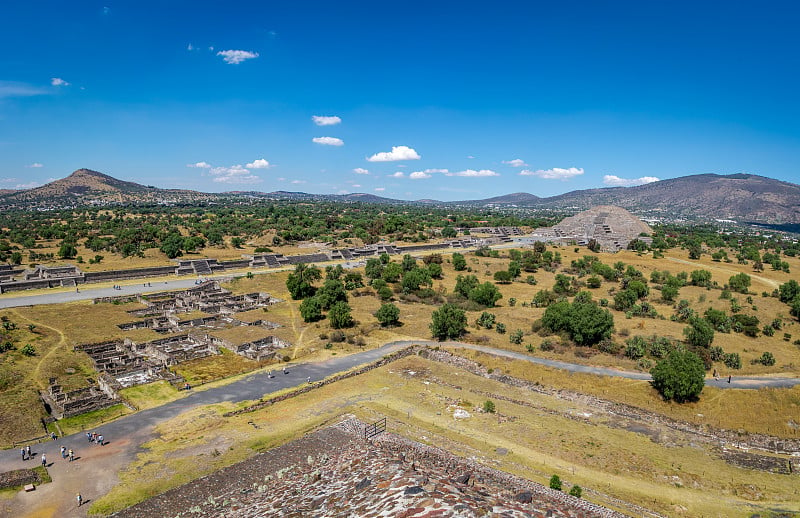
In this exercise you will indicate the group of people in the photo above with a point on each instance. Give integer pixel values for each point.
(66, 453)
(95, 438)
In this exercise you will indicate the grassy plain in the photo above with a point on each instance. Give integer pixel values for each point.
(542, 436)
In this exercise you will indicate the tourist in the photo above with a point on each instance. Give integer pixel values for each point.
(729, 378)
(79, 498)
(309, 379)
(53, 436)
(71, 455)
(63, 452)
(100, 440)
(22, 451)
(44, 461)
(28, 451)
(89, 436)
(285, 371)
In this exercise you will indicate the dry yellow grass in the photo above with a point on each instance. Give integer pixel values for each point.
(541, 438)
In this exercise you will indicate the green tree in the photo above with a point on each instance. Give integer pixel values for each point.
(680, 376)
(448, 322)
(409, 263)
(435, 270)
(767, 359)
(374, 268)
(516, 337)
(488, 406)
(789, 291)
(331, 292)
(388, 315)
(700, 278)
(669, 293)
(459, 263)
(503, 277)
(485, 294)
(699, 333)
(465, 284)
(555, 482)
(340, 315)
(67, 250)
(392, 272)
(576, 491)
(311, 309)
(28, 350)
(299, 282)
(414, 278)
(449, 232)
(739, 282)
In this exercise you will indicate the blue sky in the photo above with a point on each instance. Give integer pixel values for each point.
(444, 100)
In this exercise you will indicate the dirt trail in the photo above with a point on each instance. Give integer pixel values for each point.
(768, 282)
(34, 374)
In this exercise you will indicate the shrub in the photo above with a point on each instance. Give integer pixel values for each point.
(500, 327)
(338, 336)
(635, 348)
(388, 315)
(448, 322)
(488, 407)
(339, 315)
(516, 337)
(576, 491)
(680, 376)
(767, 359)
(486, 320)
(555, 482)
(28, 350)
(732, 361)
(547, 345)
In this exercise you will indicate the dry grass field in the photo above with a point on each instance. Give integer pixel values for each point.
(541, 437)
(60, 327)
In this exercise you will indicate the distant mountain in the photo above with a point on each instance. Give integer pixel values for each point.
(87, 187)
(742, 197)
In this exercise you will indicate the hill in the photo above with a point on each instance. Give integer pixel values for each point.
(742, 197)
(87, 187)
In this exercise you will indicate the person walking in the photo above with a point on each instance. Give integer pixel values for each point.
(44, 461)
(28, 451)
(100, 440)
(79, 498)
(22, 452)
(89, 436)
(71, 455)
(63, 452)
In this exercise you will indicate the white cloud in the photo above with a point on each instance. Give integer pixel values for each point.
(471, 173)
(200, 165)
(419, 175)
(380, 189)
(234, 57)
(34, 165)
(235, 174)
(517, 162)
(14, 89)
(361, 170)
(328, 141)
(258, 164)
(57, 81)
(470, 157)
(357, 185)
(398, 174)
(323, 120)
(298, 181)
(556, 173)
(397, 153)
(616, 181)
(190, 47)
(31, 185)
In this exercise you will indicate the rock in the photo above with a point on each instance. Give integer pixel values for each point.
(29, 487)
(525, 497)
(413, 490)
(463, 479)
(363, 484)
(501, 451)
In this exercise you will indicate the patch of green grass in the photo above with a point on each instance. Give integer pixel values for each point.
(79, 423)
(151, 394)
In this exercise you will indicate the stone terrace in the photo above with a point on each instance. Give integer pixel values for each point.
(334, 472)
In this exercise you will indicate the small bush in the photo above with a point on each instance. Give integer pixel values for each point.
(555, 482)
(500, 328)
(547, 345)
(28, 350)
(767, 359)
(337, 336)
(576, 491)
(488, 407)
(516, 337)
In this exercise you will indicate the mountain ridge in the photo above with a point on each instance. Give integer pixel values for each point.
(740, 196)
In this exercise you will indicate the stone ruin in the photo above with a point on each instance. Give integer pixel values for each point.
(612, 227)
(67, 404)
(207, 297)
(172, 324)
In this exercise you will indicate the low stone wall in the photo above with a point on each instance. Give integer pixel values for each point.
(109, 275)
(19, 477)
(389, 358)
